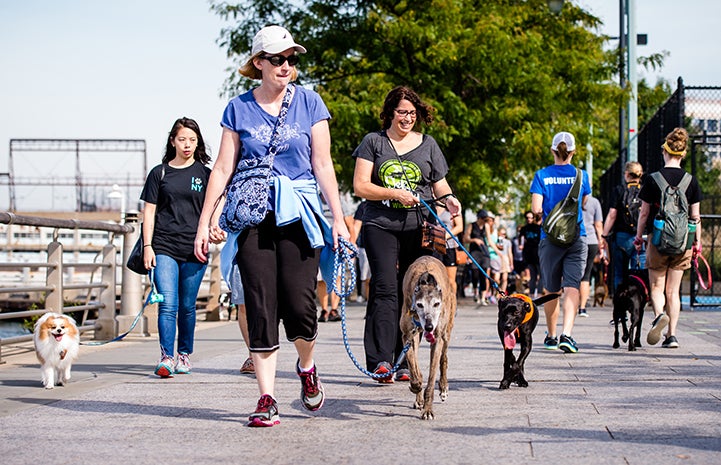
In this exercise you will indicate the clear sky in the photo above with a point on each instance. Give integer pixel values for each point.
(96, 69)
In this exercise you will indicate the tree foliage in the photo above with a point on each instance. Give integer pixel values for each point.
(502, 75)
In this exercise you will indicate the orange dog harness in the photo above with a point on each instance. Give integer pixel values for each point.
(528, 316)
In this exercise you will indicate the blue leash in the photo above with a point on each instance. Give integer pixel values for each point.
(153, 297)
(343, 266)
(441, 223)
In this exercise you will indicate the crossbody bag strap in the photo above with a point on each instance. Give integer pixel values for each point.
(408, 182)
(575, 191)
(275, 137)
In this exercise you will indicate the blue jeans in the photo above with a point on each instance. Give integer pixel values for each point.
(179, 283)
(624, 253)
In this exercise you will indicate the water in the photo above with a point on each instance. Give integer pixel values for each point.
(12, 328)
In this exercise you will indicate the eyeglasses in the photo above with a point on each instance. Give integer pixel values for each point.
(278, 60)
(404, 113)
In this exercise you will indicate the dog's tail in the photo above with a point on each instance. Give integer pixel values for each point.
(546, 298)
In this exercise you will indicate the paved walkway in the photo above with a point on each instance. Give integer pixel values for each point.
(599, 406)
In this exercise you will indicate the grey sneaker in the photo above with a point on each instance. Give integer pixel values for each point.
(266, 413)
(311, 391)
(659, 323)
(164, 369)
(182, 366)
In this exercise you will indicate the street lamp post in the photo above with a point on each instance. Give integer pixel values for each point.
(118, 193)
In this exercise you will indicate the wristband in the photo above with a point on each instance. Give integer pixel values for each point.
(147, 245)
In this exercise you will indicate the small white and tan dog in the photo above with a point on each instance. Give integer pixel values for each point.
(57, 343)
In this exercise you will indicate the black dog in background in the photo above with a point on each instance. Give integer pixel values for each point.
(517, 318)
(630, 298)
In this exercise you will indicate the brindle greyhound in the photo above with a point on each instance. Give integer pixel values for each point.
(429, 307)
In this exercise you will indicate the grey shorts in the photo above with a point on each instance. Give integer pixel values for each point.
(562, 266)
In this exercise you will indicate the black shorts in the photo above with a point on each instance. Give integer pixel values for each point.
(449, 258)
(278, 268)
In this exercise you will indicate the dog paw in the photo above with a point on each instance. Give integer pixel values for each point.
(616, 345)
(631, 348)
(427, 415)
(444, 395)
(522, 383)
(49, 386)
(418, 405)
(504, 384)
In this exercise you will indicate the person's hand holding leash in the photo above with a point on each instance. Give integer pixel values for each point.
(453, 206)
(407, 198)
(696, 249)
(638, 243)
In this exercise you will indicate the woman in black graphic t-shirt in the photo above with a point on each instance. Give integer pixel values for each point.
(174, 193)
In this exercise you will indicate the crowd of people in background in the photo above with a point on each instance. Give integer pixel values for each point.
(276, 267)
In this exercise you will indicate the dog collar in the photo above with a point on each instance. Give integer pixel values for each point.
(643, 284)
(528, 300)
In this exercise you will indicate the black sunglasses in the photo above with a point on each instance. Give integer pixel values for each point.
(278, 60)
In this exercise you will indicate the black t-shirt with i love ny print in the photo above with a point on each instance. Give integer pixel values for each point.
(178, 194)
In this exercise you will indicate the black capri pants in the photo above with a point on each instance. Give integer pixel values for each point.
(278, 268)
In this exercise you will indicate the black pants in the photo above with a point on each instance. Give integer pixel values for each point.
(390, 253)
(278, 268)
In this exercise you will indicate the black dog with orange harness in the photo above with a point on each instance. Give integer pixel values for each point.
(517, 318)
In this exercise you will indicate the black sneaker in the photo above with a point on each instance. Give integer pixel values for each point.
(583, 313)
(266, 413)
(670, 343)
(311, 391)
(657, 326)
(550, 343)
(567, 344)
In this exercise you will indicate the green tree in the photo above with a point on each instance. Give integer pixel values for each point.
(503, 76)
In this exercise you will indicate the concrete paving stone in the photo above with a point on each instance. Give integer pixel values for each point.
(594, 407)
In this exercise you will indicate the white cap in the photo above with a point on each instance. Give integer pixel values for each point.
(490, 215)
(274, 39)
(566, 137)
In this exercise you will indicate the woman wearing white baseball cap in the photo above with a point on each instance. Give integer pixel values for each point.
(560, 266)
(285, 126)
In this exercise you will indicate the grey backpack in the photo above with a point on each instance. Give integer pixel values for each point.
(674, 212)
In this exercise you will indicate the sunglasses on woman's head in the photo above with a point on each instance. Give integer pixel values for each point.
(278, 60)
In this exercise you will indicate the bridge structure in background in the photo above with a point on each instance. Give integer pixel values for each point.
(99, 167)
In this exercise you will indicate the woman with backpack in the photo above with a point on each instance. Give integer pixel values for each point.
(666, 265)
(622, 221)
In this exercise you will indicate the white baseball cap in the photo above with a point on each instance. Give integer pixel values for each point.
(274, 39)
(566, 137)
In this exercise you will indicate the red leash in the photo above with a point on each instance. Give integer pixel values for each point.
(694, 261)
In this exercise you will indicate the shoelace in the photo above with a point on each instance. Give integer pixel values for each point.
(264, 403)
(310, 386)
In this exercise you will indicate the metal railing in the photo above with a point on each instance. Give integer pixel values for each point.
(101, 285)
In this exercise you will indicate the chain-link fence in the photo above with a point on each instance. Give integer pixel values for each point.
(698, 109)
